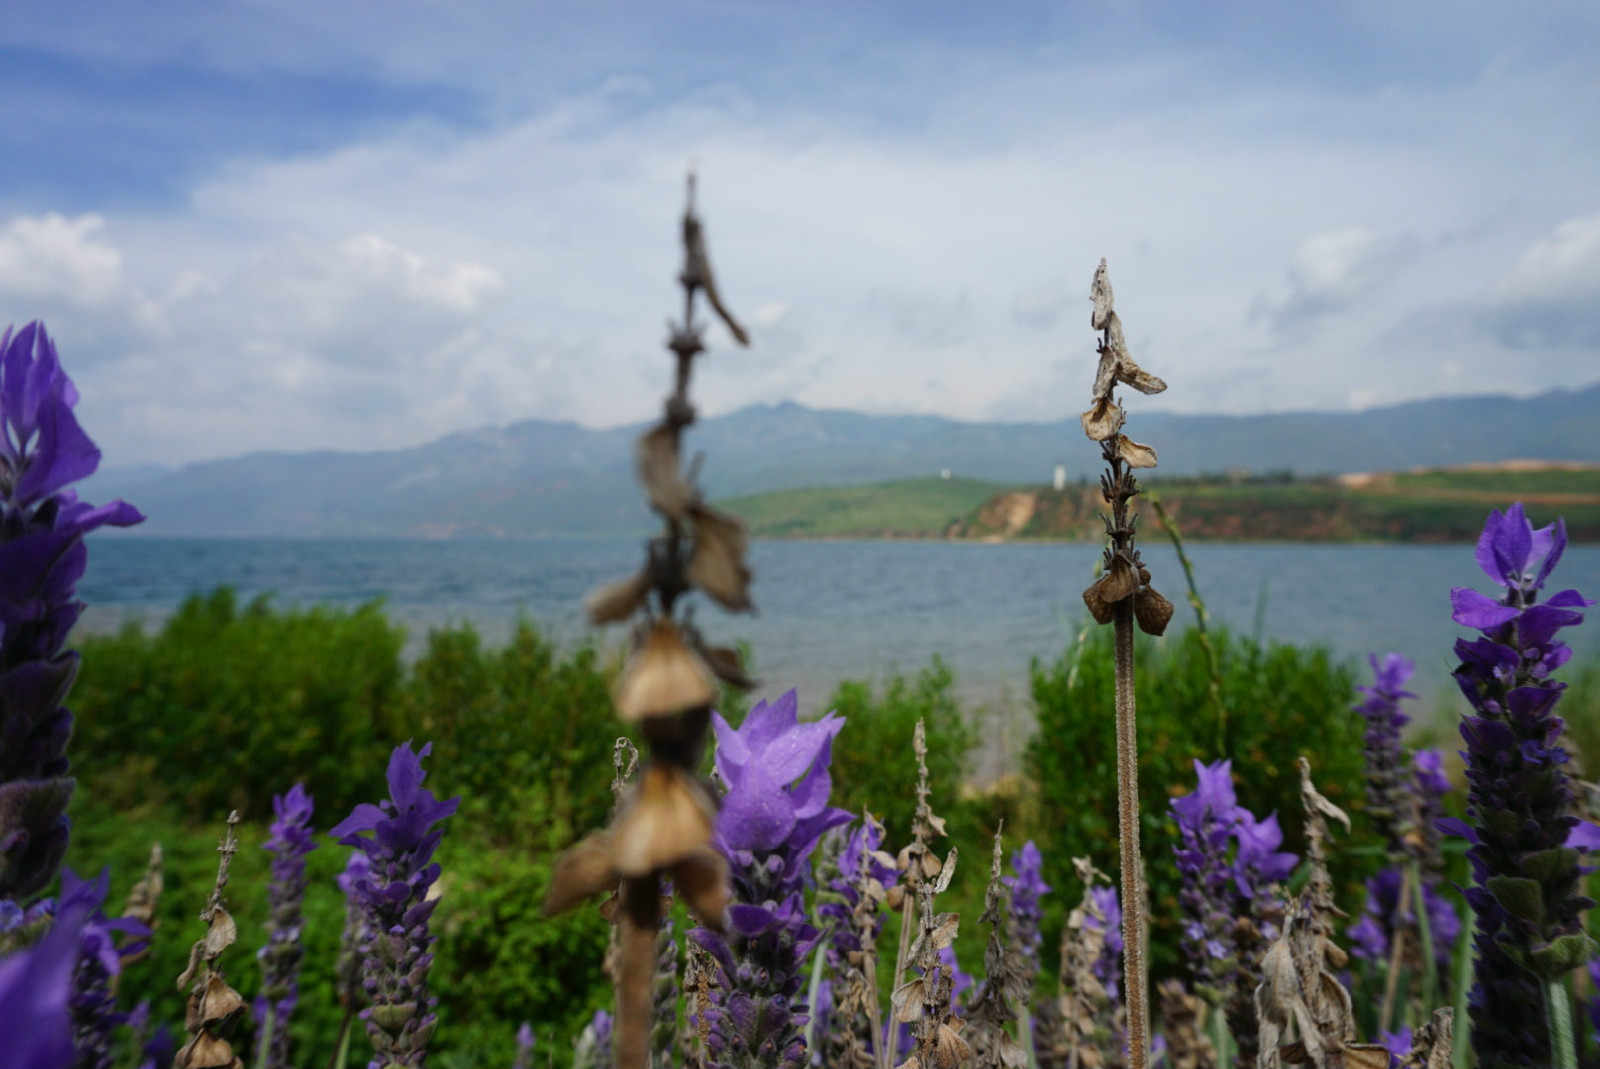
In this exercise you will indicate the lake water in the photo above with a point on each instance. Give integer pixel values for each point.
(845, 610)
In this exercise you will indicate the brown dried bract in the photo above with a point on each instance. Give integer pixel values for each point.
(1151, 610)
(716, 557)
(656, 458)
(663, 675)
(617, 600)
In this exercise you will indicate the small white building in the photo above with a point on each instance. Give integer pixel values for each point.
(1060, 481)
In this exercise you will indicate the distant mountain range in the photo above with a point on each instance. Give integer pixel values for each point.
(540, 477)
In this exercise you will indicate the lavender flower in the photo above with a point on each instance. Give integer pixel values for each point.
(524, 1058)
(593, 1049)
(42, 557)
(399, 838)
(36, 1024)
(774, 813)
(1106, 918)
(1372, 936)
(1229, 909)
(347, 968)
(851, 903)
(289, 841)
(1390, 801)
(1520, 800)
(1027, 888)
(93, 1002)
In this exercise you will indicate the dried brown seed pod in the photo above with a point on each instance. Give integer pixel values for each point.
(666, 818)
(1151, 610)
(663, 675)
(206, 1051)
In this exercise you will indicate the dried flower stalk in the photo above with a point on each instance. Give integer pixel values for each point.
(662, 825)
(1300, 994)
(1007, 983)
(924, 1001)
(1122, 595)
(214, 1007)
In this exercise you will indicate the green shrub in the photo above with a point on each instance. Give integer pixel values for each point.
(1282, 701)
(225, 706)
(873, 764)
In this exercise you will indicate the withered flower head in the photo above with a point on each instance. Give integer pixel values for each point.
(664, 674)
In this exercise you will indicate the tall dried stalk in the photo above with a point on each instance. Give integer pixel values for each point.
(662, 824)
(1121, 596)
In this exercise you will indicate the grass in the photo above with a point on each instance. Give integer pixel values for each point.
(909, 508)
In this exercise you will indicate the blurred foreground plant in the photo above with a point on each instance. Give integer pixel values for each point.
(43, 451)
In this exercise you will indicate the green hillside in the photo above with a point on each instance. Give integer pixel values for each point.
(908, 508)
(1423, 506)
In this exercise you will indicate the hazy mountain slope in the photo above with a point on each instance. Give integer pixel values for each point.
(543, 478)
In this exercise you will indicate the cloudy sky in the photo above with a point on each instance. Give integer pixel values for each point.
(290, 224)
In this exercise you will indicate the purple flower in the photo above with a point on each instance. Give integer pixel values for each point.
(1519, 804)
(594, 1044)
(1027, 888)
(42, 557)
(1384, 914)
(36, 986)
(1389, 798)
(398, 837)
(524, 1058)
(775, 811)
(1108, 967)
(1227, 860)
(94, 1003)
(289, 841)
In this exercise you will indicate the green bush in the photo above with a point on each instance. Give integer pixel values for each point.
(224, 706)
(516, 731)
(1282, 701)
(873, 764)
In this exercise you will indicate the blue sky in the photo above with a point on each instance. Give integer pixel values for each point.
(287, 225)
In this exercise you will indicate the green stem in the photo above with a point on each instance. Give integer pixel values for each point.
(341, 1050)
(1563, 1052)
(812, 991)
(1201, 619)
(1461, 1051)
(1430, 968)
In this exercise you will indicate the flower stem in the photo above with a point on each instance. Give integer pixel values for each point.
(1430, 967)
(1128, 819)
(1563, 1053)
(639, 921)
(1461, 1053)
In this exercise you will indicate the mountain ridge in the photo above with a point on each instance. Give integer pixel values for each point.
(555, 477)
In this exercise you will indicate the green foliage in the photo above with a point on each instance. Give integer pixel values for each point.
(226, 705)
(873, 765)
(917, 507)
(1282, 701)
(499, 961)
(514, 728)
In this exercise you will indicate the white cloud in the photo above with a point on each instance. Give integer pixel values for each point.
(56, 259)
(1550, 300)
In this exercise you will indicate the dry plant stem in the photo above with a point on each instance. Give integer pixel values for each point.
(1397, 952)
(1133, 966)
(639, 920)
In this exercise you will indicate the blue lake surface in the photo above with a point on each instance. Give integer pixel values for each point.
(844, 610)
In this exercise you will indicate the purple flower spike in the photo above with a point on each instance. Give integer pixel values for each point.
(93, 1003)
(1027, 888)
(36, 985)
(1526, 878)
(1108, 966)
(42, 557)
(289, 841)
(1228, 861)
(398, 837)
(775, 811)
